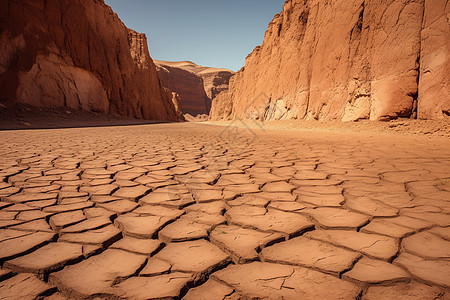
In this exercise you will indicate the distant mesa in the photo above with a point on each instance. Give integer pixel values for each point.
(80, 56)
(346, 60)
(196, 85)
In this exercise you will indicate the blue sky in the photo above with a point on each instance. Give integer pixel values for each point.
(213, 33)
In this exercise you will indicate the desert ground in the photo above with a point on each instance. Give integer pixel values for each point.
(229, 210)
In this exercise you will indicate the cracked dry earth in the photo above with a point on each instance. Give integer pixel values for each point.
(196, 211)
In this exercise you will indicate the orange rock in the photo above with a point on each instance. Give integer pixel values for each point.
(196, 85)
(82, 56)
(434, 83)
(187, 85)
(345, 60)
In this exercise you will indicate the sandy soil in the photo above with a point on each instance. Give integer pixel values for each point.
(399, 126)
(24, 116)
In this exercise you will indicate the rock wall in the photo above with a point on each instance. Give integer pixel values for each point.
(434, 80)
(188, 86)
(196, 85)
(215, 81)
(78, 54)
(346, 60)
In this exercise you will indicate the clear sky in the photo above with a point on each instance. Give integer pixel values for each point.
(214, 33)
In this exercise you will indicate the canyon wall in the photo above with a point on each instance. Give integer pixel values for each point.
(346, 60)
(196, 85)
(78, 54)
(188, 86)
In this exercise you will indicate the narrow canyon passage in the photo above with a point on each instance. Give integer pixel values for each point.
(197, 211)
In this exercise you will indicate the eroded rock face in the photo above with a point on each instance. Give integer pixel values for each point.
(196, 85)
(346, 60)
(78, 55)
(434, 84)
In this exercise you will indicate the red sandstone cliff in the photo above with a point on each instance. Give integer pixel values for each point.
(346, 60)
(187, 85)
(196, 85)
(78, 54)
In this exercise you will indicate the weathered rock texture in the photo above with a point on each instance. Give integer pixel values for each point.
(346, 60)
(78, 54)
(196, 85)
(434, 83)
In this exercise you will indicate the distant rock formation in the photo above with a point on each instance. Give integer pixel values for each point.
(78, 54)
(188, 86)
(346, 60)
(198, 118)
(196, 85)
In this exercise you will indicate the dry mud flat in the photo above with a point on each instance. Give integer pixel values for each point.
(220, 212)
